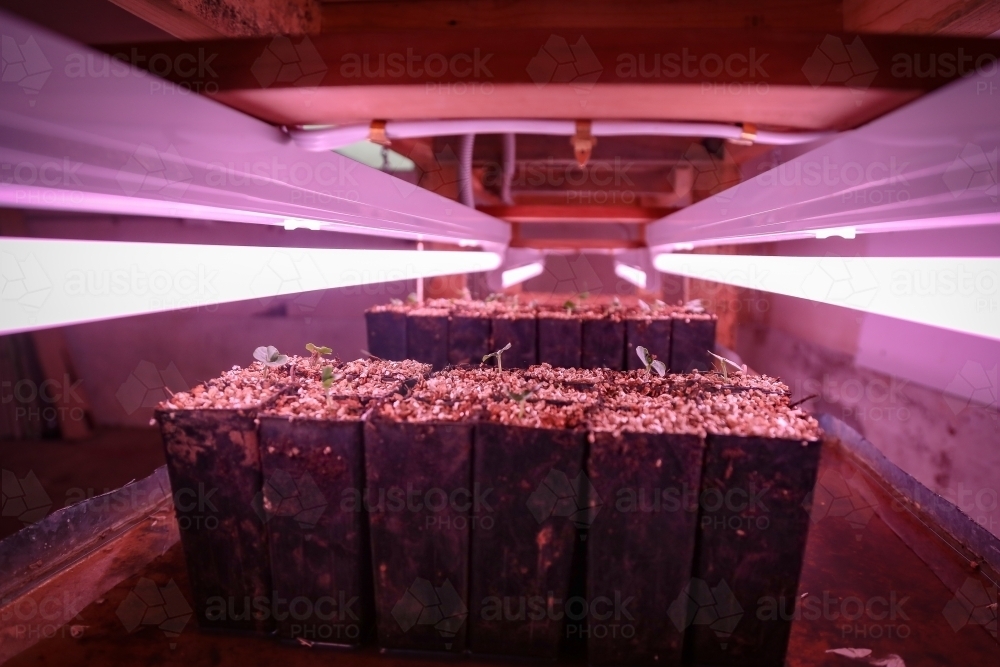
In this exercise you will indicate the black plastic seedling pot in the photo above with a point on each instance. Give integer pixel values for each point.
(522, 559)
(691, 340)
(603, 344)
(468, 339)
(427, 339)
(641, 544)
(559, 341)
(521, 333)
(215, 473)
(386, 334)
(652, 334)
(753, 522)
(317, 529)
(420, 499)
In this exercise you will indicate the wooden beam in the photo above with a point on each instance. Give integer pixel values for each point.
(575, 213)
(211, 19)
(169, 19)
(559, 14)
(775, 79)
(972, 18)
(799, 107)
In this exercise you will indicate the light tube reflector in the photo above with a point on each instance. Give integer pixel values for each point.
(46, 283)
(956, 293)
(518, 275)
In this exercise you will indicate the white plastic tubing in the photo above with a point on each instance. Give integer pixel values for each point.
(325, 139)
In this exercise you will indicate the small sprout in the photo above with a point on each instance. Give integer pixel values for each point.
(498, 354)
(584, 296)
(645, 306)
(396, 302)
(317, 352)
(328, 378)
(724, 369)
(616, 303)
(652, 364)
(411, 297)
(570, 305)
(270, 358)
(493, 297)
(519, 398)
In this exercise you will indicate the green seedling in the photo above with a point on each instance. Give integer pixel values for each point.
(493, 297)
(317, 352)
(652, 364)
(646, 308)
(412, 298)
(569, 305)
(724, 369)
(270, 357)
(328, 378)
(616, 303)
(499, 355)
(519, 398)
(396, 302)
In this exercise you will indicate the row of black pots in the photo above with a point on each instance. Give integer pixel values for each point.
(497, 539)
(579, 342)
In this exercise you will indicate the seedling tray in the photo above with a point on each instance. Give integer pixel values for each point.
(525, 556)
(753, 521)
(603, 344)
(215, 474)
(521, 333)
(427, 339)
(420, 548)
(641, 544)
(652, 334)
(386, 334)
(559, 342)
(317, 528)
(691, 340)
(468, 339)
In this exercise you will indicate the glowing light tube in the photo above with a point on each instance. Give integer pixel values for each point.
(955, 293)
(46, 283)
(518, 275)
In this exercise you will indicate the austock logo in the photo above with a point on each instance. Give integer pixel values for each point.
(974, 384)
(974, 170)
(558, 61)
(162, 606)
(423, 603)
(568, 274)
(973, 604)
(146, 386)
(24, 64)
(844, 281)
(288, 496)
(559, 496)
(283, 61)
(149, 170)
(702, 604)
(25, 499)
(850, 499)
(23, 281)
(836, 62)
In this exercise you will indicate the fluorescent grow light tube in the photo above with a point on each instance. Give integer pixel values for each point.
(631, 274)
(956, 293)
(46, 283)
(518, 275)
